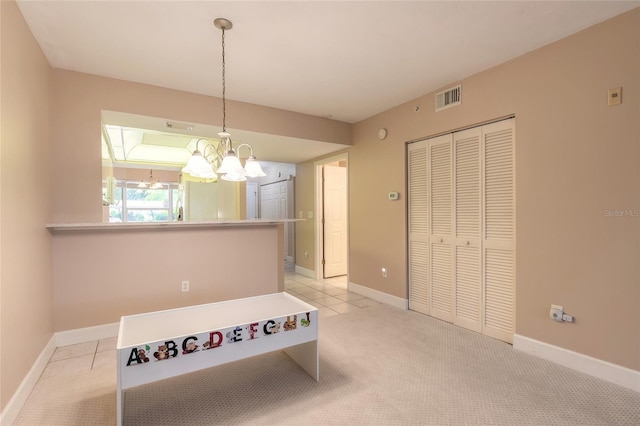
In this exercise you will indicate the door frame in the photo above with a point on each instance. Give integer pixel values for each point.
(319, 211)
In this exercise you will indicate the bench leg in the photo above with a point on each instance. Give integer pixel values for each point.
(306, 356)
(119, 406)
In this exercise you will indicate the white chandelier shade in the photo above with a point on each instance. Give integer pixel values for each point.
(198, 166)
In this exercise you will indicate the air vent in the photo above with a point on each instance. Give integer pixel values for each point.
(448, 98)
(182, 126)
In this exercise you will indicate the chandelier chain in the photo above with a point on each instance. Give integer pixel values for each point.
(224, 103)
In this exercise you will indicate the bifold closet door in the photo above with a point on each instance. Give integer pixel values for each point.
(440, 226)
(499, 230)
(418, 222)
(467, 220)
(461, 193)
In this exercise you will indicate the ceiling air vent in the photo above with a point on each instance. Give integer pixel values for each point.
(448, 98)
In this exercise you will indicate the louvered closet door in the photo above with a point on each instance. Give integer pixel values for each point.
(467, 220)
(499, 230)
(418, 227)
(440, 218)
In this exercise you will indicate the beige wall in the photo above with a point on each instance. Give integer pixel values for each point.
(305, 201)
(576, 158)
(101, 275)
(25, 265)
(78, 99)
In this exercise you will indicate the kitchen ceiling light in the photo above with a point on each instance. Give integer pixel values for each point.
(230, 167)
(150, 183)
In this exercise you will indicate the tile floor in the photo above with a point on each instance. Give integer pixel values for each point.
(80, 357)
(330, 296)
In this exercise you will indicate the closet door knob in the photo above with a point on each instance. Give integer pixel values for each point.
(468, 242)
(441, 240)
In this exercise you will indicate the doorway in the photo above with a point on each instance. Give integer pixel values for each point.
(332, 213)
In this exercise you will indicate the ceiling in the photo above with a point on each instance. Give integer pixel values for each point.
(345, 60)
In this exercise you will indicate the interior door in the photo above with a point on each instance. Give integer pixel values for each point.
(252, 200)
(461, 223)
(267, 203)
(467, 212)
(418, 227)
(441, 240)
(499, 230)
(335, 220)
(274, 204)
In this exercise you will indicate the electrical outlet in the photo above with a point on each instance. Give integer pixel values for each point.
(556, 312)
(185, 286)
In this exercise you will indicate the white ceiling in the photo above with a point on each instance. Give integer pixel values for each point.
(347, 60)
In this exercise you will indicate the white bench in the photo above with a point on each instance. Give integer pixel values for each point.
(159, 345)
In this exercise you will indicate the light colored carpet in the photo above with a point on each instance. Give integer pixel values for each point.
(378, 366)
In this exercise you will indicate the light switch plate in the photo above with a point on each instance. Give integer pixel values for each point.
(615, 96)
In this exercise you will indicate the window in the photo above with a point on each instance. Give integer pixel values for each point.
(134, 204)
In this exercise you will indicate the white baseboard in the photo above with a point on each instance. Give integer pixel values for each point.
(88, 334)
(379, 296)
(61, 338)
(605, 370)
(305, 272)
(13, 407)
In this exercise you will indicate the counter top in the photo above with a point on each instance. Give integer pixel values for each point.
(57, 227)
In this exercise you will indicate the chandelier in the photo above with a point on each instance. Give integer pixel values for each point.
(223, 156)
(150, 184)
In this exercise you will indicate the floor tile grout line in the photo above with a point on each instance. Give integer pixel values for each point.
(93, 361)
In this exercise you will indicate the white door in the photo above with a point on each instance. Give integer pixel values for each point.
(461, 228)
(418, 227)
(467, 209)
(274, 202)
(441, 239)
(267, 203)
(335, 221)
(252, 200)
(499, 230)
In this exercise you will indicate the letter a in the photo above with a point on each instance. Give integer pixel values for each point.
(134, 357)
